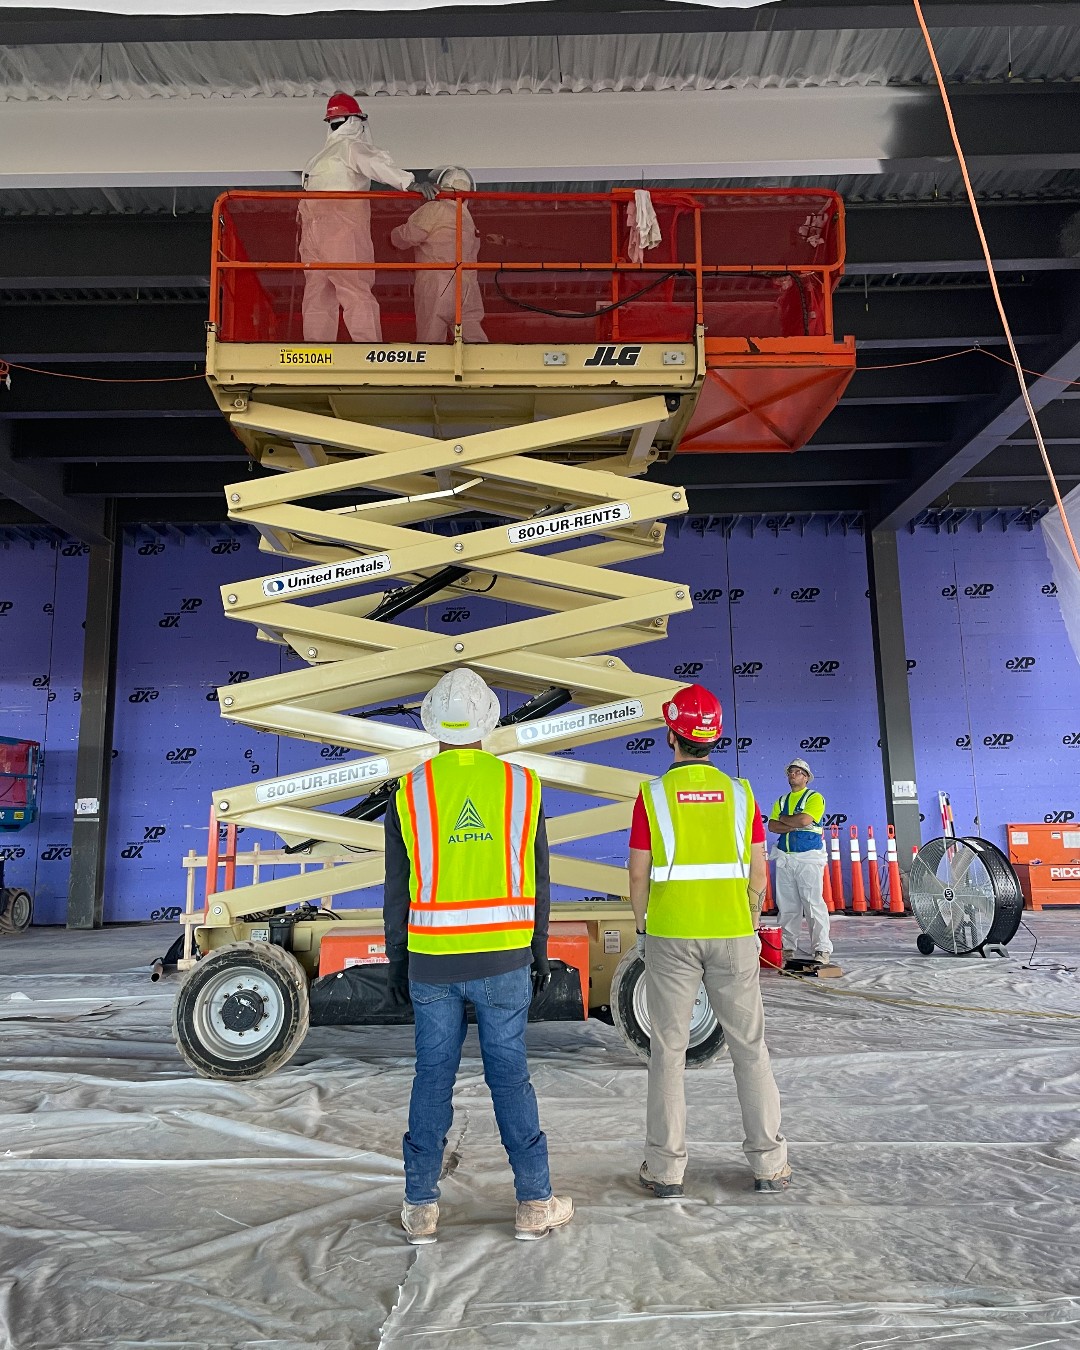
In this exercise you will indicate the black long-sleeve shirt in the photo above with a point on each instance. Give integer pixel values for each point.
(458, 968)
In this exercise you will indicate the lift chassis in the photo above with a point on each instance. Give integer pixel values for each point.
(406, 475)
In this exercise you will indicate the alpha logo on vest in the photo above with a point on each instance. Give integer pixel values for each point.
(470, 828)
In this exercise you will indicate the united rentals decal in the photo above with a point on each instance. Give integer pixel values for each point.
(360, 773)
(587, 719)
(307, 579)
(573, 522)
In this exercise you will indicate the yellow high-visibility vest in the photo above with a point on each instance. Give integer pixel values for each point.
(701, 824)
(469, 824)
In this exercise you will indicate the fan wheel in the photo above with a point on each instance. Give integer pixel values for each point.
(964, 894)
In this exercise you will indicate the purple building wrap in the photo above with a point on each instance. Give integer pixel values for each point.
(780, 630)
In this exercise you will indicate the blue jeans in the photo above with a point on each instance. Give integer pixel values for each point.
(502, 1011)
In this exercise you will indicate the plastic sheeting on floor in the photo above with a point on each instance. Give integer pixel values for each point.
(936, 1154)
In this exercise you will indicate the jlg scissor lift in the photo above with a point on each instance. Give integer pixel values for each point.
(407, 474)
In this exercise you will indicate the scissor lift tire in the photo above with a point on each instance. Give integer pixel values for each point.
(630, 1015)
(16, 910)
(248, 989)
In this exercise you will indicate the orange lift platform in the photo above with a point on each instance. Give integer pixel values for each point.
(736, 300)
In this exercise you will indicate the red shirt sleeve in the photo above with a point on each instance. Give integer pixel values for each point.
(640, 834)
(758, 834)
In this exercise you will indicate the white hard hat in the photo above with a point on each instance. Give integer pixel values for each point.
(453, 178)
(460, 709)
(801, 764)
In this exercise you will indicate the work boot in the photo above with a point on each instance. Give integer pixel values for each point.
(663, 1190)
(779, 1181)
(823, 958)
(788, 954)
(536, 1218)
(420, 1222)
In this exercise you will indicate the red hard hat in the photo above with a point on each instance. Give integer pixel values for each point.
(695, 714)
(341, 105)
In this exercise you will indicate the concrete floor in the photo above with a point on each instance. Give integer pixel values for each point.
(931, 1106)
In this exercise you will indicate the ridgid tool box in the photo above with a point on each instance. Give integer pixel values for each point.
(1047, 861)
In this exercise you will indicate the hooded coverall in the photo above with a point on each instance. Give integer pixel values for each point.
(340, 231)
(431, 231)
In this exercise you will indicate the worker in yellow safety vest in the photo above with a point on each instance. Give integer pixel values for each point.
(465, 911)
(697, 883)
(799, 853)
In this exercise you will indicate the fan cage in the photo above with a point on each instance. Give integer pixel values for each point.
(998, 882)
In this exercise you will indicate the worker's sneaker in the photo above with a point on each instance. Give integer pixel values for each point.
(536, 1218)
(780, 1181)
(420, 1222)
(823, 958)
(663, 1190)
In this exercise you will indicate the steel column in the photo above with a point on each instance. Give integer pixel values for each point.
(894, 705)
(86, 887)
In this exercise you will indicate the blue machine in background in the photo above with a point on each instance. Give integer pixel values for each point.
(20, 780)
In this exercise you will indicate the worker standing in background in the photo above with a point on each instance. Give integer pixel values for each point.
(339, 231)
(697, 883)
(431, 232)
(800, 862)
(466, 915)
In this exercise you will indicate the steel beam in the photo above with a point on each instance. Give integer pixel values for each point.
(39, 488)
(975, 441)
(894, 705)
(86, 887)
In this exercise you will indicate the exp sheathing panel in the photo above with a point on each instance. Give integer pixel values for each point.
(42, 605)
(780, 631)
(995, 687)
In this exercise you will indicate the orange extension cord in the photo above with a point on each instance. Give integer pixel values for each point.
(994, 281)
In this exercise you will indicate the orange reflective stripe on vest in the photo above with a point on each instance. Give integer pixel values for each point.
(473, 887)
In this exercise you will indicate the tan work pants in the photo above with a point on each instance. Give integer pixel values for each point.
(728, 967)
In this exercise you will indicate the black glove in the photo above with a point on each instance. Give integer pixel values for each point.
(541, 968)
(397, 984)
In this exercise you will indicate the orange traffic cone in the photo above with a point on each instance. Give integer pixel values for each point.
(858, 891)
(896, 894)
(872, 870)
(826, 889)
(837, 872)
(769, 905)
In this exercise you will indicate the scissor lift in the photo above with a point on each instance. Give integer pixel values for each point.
(515, 468)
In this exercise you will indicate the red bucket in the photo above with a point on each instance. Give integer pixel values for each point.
(772, 947)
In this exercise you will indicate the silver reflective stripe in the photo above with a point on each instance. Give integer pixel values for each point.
(519, 788)
(742, 801)
(702, 872)
(445, 916)
(662, 811)
(425, 838)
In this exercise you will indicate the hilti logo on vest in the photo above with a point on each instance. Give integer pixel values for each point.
(697, 798)
(469, 829)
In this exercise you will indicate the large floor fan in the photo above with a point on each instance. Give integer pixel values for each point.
(965, 895)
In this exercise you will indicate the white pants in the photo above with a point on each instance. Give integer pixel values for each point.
(338, 231)
(434, 298)
(799, 879)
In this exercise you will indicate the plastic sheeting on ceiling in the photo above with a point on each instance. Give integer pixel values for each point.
(582, 63)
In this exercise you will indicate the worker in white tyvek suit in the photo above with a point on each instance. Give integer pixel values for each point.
(340, 231)
(431, 232)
